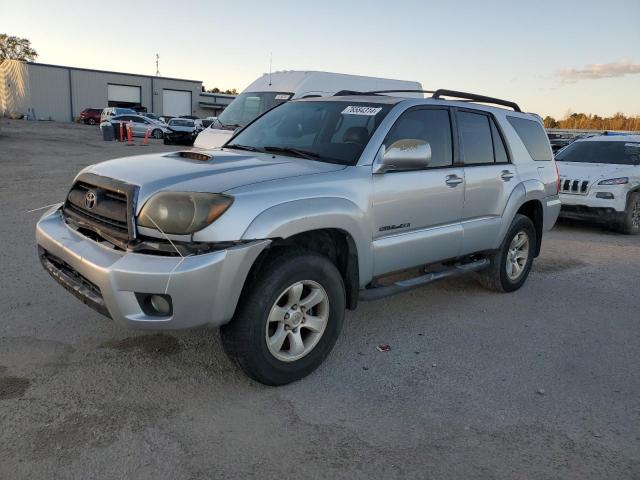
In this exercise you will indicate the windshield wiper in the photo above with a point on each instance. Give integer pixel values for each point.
(295, 151)
(242, 147)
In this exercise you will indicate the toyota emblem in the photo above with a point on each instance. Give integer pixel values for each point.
(90, 199)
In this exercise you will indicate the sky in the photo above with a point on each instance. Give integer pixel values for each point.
(551, 57)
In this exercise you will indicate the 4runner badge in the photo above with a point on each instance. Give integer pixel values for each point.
(394, 227)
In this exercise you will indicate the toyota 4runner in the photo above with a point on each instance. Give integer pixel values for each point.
(303, 213)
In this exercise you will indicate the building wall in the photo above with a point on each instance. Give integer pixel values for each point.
(61, 93)
(14, 89)
(90, 88)
(49, 93)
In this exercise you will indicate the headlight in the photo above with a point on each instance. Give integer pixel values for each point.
(614, 181)
(181, 213)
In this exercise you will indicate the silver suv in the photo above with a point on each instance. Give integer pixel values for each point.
(303, 213)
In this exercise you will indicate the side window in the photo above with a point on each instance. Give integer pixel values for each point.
(533, 137)
(432, 126)
(475, 135)
(499, 150)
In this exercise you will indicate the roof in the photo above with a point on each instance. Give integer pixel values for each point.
(110, 72)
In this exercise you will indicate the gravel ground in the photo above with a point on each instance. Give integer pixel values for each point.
(541, 383)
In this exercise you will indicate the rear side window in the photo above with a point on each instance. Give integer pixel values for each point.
(533, 137)
(475, 134)
(432, 126)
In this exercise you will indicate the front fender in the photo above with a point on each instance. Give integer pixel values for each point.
(290, 218)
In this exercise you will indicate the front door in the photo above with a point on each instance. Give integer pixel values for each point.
(416, 214)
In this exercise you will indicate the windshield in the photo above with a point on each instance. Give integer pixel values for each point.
(330, 131)
(618, 153)
(247, 106)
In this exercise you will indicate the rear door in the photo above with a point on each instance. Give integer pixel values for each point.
(416, 214)
(489, 178)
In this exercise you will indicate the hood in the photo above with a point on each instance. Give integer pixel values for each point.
(592, 171)
(223, 171)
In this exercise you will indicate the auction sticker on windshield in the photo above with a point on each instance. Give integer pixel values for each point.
(282, 96)
(359, 110)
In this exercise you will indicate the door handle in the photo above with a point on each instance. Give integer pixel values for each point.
(506, 175)
(453, 180)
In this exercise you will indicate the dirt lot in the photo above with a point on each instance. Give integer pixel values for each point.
(542, 383)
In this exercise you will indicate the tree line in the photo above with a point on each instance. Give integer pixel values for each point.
(588, 121)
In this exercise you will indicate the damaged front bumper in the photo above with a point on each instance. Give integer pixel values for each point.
(203, 289)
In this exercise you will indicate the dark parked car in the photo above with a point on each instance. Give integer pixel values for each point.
(90, 116)
(181, 130)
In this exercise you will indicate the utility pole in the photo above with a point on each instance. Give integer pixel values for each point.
(157, 67)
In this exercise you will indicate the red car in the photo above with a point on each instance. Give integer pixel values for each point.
(90, 116)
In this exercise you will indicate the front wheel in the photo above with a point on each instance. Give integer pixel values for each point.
(631, 222)
(511, 263)
(157, 133)
(288, 319)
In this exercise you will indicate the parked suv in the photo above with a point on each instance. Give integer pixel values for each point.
(600, 180)
(90, 116)
(303, 213)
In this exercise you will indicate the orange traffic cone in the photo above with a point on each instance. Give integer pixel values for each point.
(145, 142)
(130, 134)
(121, 132)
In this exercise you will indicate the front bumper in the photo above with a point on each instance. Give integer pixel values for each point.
(606, 215)
(204, 289)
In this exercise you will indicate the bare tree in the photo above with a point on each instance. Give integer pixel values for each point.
(16, 48)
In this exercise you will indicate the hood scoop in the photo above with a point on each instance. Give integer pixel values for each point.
(201, 157)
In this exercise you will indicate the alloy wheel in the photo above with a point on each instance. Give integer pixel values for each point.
(297, 320)
(517, 255)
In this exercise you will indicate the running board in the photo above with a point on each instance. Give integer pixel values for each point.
(377, 293)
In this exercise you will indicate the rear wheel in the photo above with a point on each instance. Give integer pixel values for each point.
(92, 121)
(157, 133)
(288, 319)
(511, 263)
(631, 221)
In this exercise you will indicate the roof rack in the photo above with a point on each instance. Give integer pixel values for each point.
(472, 97)
(441, 92)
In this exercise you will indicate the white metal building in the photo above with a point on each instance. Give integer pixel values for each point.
(60, 93)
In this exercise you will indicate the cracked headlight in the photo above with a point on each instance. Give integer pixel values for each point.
(614, 181)
(182, 213)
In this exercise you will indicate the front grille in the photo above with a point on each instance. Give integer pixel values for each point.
(102, 205)
(574, 186)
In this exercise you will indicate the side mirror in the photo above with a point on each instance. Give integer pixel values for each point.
(406, 154)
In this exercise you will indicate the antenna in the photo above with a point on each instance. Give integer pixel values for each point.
(157, 68)
(270, 65)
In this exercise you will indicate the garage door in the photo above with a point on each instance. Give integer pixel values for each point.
(176, 102)
(123, 94)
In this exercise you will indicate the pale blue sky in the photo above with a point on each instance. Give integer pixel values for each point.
(511, 49)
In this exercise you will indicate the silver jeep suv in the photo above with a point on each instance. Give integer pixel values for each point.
(303, 213)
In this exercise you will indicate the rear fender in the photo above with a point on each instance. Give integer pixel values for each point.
(524, 192)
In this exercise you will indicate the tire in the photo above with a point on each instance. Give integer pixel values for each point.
(92, 121)
(499, 276)
(631, 222)
(269, 295)
(157, 134)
